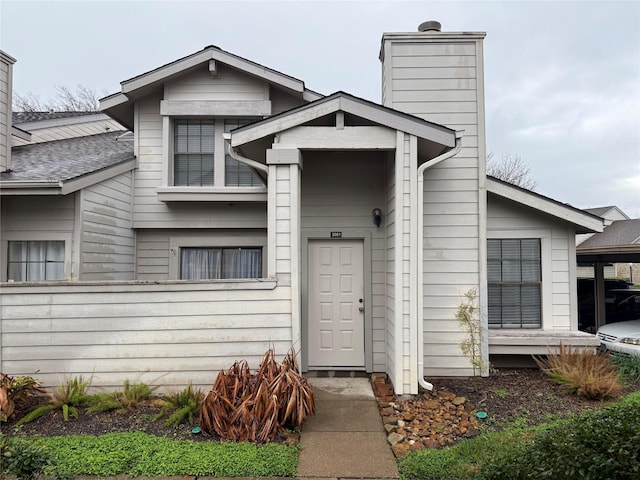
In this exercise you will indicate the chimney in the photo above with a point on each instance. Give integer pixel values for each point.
(430, 26)
(6, 78)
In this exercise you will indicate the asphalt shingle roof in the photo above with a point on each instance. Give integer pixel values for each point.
(620, 232)
(62, 160)
(25, 117)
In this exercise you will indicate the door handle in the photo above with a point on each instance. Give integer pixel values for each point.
(361, 309)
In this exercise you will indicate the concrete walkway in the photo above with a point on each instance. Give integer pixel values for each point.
(345, 438)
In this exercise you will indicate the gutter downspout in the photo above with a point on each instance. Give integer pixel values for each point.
(420, 254)
(247, 161)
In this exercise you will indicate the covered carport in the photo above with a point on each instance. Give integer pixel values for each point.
(618, 243)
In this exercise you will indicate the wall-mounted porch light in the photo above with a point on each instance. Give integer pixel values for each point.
(377, 216)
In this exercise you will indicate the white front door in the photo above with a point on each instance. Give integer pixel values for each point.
(336, 304)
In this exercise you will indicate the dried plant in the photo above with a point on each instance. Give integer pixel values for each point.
(15, 388)
(582, 371)
(243, 406)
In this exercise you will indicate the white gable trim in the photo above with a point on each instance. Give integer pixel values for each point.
(545, 205)
(341, 102)
(211, 53)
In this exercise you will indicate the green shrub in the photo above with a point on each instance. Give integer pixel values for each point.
(582, 372)
(629, 366)
(599, 444)
(67, 397)
(182, 405)
(26, 459)
(131, 395)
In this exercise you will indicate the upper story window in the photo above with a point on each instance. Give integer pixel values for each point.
(238, 174)
(515, 279)
(194, 148)
(33, 261)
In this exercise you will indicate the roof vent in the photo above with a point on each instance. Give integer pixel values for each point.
(430, 26)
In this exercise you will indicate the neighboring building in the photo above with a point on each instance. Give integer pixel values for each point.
(259, 213)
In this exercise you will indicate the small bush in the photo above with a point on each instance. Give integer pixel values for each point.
(596, 445)
(184, 405)
(582, 372)
(26, 459)
(67, 397)
(131, 395)
(629, 366)
(15, 388)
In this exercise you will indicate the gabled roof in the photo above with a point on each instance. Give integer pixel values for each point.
(584, 221)
(59, 166)
(116, 105)
(342, 101)
(606, 212)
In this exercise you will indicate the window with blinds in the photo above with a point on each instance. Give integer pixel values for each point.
(238, 174)
(515, 277)
(193, 146)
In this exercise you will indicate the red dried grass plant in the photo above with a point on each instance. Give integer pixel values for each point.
(242, 406)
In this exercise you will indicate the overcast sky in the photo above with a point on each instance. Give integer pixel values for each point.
(562, 79)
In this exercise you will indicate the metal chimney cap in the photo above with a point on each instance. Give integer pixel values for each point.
(430, 26)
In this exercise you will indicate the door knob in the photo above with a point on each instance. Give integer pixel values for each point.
(361, 309)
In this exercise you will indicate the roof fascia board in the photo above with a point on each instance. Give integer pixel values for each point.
(19, 133)
(545, 205)
(397, 120)
(280, 123)
(75, 184)
(61, 122)
(30, 188)
(6, 58)
(196, 59)
(113, 101)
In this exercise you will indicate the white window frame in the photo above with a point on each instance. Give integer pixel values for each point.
(169, 192)
(546, 265)
(228, 240)
(36, 237)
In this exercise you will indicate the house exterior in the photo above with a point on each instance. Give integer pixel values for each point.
(254, 212)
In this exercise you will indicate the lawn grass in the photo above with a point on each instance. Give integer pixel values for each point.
(140, 454)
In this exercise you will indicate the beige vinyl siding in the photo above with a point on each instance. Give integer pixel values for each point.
(441, 81)
(229, 85)
(153, 248)
(559, 310)
(282, 101)
(339, 192)
(390, 277)
(165, 334)
(108, 242)
(5, 114)
(39, 218)
(150, 212)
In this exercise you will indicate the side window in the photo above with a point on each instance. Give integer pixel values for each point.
(199, 263)
(33, 261)
(238, 174)
(194, 143)
(515, 280)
